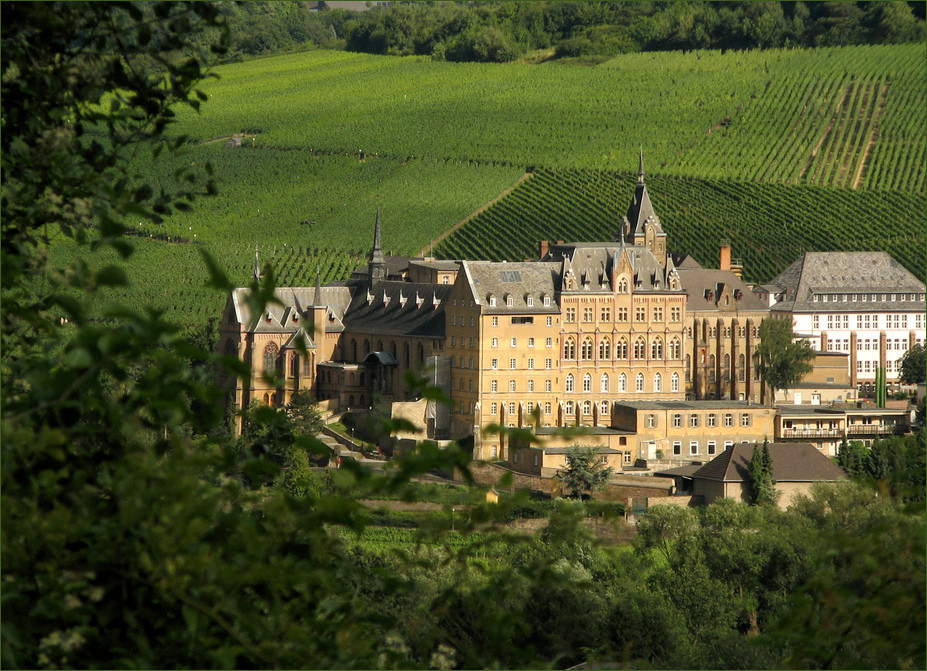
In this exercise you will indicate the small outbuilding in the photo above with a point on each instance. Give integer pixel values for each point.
(796, 466)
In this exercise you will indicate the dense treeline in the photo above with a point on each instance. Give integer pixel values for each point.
(502, 31)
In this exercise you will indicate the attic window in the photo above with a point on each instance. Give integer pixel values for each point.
(510, 300)
(546, 301)
(530, 301)
(492, 301)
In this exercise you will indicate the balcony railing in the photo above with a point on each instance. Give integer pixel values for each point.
(875, 429)
(812, 433)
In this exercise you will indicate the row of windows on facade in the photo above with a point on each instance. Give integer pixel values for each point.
(865, 298)
(870, 321)
(651, 421)
(866, 344)
(694, 447)
(529, 300)
(726, 331)
(604, 383)
(549, 321)
(605, 314)
(587, 349)
(891, 366)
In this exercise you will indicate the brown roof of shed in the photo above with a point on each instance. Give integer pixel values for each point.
(792, 462)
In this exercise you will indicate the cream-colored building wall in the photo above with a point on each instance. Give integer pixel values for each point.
(701, 435)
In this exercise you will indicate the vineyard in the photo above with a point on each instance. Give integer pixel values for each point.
(780, 151)
(847, 116)
(769, 225)
(305, 211)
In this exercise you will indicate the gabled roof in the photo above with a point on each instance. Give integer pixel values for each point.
(697, 282)
(521, 280)
(399, 308)
(640, 211)
(845, 272)
(294, 301)
(792, 462)
(594, 260)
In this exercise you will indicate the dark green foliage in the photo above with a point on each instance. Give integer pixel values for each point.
(852, 457)
(762, 483)
(584, 472)
(607, 28)
(914, 365)
(780, 362)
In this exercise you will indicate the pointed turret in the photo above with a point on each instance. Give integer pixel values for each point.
(257, 265)
(377, 266)
(640, 211)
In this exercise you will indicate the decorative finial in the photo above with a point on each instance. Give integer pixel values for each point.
(640, 169)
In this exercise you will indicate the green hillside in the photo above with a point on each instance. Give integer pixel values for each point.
(303, 210)
(763, 148)
(769, 225)
(811, 116)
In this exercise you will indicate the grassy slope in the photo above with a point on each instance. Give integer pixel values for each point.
(472, 129)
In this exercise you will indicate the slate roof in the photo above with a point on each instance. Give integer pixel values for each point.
(295, 300)
(792, 462)
(685, 261)
(437, 265)
(697, 282)
(592, 264)
(399, 308)
(521, 280)
(846, 272)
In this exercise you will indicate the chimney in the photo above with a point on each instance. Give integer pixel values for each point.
(542, 249)
(725, 255)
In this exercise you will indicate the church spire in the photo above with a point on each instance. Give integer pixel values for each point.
(376, 269)
(317, 300)
(257, 265)
(640, 168)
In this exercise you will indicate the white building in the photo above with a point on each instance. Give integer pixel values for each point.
(864, 304)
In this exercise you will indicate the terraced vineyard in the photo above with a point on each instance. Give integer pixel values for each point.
(848, 116)
(769, 225)
(780, 151)
(303, 210)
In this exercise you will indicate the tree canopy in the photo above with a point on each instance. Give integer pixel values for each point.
(584, 471)
(781, 362)
(913, 366)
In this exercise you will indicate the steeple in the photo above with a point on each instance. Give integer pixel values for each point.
(640, 216)
(257, 265)
(376, 269)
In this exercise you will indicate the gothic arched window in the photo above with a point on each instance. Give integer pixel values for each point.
(270, 357)
(587, 349)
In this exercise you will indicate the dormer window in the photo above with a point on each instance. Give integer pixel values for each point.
(530, 301)
(492, 301)
(510, 300)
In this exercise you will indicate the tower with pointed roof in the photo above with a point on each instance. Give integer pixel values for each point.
(641, 225)
(376, 268)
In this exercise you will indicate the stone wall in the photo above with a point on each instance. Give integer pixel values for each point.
(490, 474)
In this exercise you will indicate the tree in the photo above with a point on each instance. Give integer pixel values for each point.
(584, 471)
(780, 362)
(914, 365)
(762, 483)
(128, 536)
